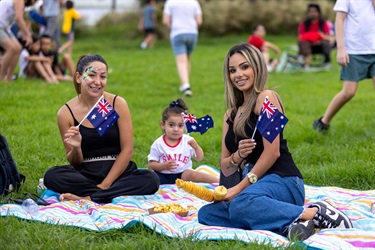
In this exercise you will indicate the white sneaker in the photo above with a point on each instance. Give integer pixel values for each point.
(186, 90)
(301, 59)
(330, 217)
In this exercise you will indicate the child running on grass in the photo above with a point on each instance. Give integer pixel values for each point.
(170, 155)
(147, 24)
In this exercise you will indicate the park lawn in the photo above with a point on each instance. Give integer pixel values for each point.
(148, 81)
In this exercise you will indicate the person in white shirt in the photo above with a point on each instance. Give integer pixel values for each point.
(183, 18)
(170, 154)
(355, 36)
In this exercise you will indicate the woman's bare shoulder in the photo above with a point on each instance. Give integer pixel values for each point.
(64, 110)
(119, 100)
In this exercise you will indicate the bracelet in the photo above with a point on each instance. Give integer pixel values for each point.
(232, 163)
(238, 152)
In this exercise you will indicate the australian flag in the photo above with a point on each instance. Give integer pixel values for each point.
(271, 121)
(103, 116)
(194, 124)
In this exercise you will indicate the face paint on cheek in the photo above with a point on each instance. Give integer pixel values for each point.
(86, 73)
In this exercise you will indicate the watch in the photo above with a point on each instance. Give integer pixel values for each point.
(252, 178)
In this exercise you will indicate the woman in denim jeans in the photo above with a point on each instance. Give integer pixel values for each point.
(271, 196)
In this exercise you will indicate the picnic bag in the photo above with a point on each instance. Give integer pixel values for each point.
(10, 178)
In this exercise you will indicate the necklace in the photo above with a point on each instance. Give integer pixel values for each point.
(240, 111)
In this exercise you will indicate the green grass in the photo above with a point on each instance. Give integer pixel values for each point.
(148, 81)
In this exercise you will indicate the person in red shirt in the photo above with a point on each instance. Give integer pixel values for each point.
(314, 36)
(257, 39)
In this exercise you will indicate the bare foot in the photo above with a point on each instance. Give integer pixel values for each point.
(73, 197)
(51, 81)
(65, 78)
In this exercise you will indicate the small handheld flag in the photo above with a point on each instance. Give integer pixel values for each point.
(200, 125)
(271, 121)
(102, 116)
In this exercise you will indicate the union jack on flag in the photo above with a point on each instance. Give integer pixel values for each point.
(104, 107)
(201, 125)
(189, 118)
(103, 116)
(271, 121)
(269, 108)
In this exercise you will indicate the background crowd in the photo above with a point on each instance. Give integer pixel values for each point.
(57, 19)
(30, 38)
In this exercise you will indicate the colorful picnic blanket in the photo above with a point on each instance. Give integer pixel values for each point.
(125, 211)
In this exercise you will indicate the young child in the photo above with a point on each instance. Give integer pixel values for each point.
(70, 16)
(170, 155)
(34, 65)
(60, 68)
(147, 24)
(257, 39)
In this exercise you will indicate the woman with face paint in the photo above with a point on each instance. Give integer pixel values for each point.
(100, 166)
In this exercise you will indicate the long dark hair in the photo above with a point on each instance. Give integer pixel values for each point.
(307, 22)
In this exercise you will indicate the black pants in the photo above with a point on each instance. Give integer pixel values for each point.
(306, 48)
(83, 181)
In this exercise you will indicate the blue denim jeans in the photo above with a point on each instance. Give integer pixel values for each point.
(247, 167)
(272, 203)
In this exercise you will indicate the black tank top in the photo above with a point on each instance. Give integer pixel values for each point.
(283, 166)
(93, 144)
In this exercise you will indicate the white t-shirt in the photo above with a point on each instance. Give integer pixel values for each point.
(23, 62)
(161, 152)
(51, 8)
(7, 13)
(359, 26)
(183, 16)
